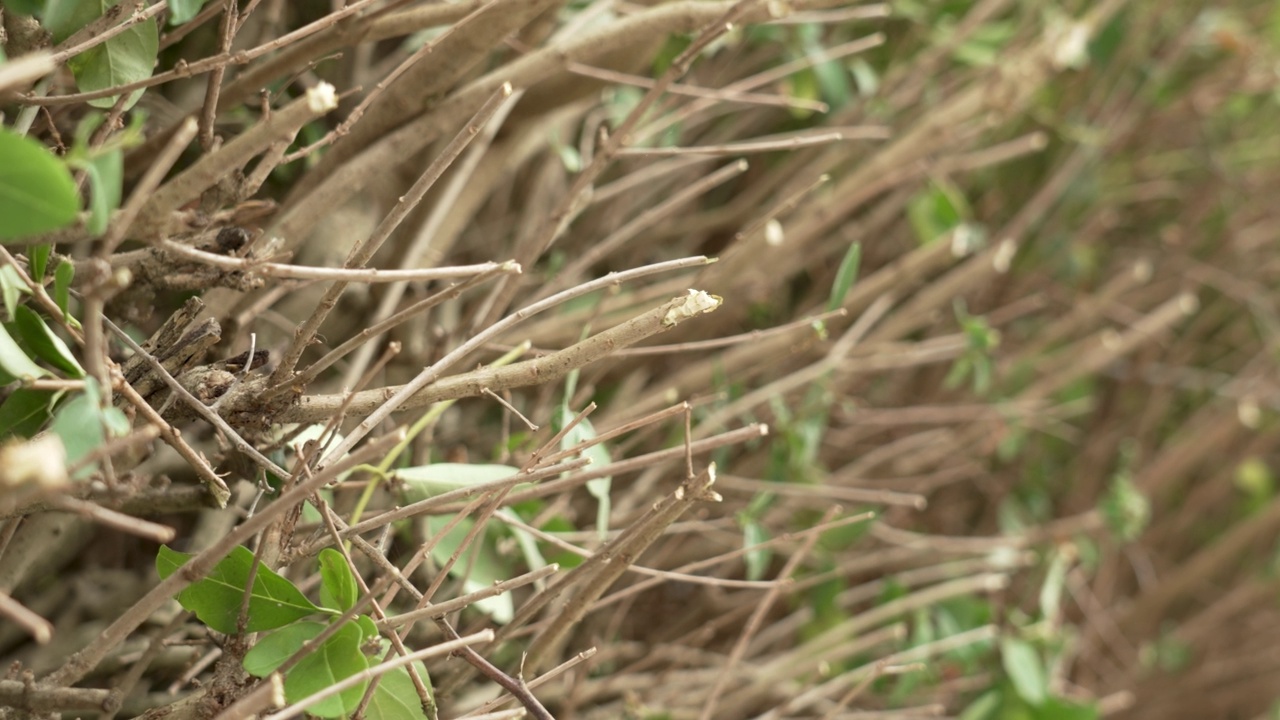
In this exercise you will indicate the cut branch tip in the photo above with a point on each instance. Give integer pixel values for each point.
(697, 302)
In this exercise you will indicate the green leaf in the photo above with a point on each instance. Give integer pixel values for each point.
(274, 601)
(11, 286)
(480, 565)
(937, 210)
(62, 277)
(1054, 582)
(64, 17)
(845, 276)
(1023, 665)
(181, 11)
(426, 481)
(831, 75)
(338, 588)
(396, 698)
(528, 548)
(599, 456)
(25, 411)
(1059, 709)
(125, 58)
(865, 76)
(15, 361)
(984, 708)
(48, 346)
(83, 424)
(273, 650)
(336, 659)
(36, 191)
(1125, 508)
(105, 173)
(25, 7)
(367, 627)
(757, 560)
(40, 260)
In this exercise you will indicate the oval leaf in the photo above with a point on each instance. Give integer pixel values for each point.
(426, 481)
(336, 659)
(273, 650)
(125, 58)
(216, 599)
(106, 174)
(396, 698)
(338, 588)
(36, 191)
(62, 278)
(48, 346)
(1022, 664)
(181, 11)
(15, 361)
(25, 411)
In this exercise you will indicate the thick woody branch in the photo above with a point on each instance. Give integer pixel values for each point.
(282, 125)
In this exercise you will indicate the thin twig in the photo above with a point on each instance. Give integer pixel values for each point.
(762, 608)
(116, 520)
(363, 251)
(443, 648)
(775, 143)
(183, 70)
(423, 389)
(38, 628)
(216, 487)
(102, 30)
(345, 275)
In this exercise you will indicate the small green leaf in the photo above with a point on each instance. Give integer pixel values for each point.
(1126, 510)
(338, 588)
(1059, 709)
(40, 260)
(529, 548)
(368, 628)
(26, 7)
(11, 286)
(25, 411)
(426, 481)
(62, 277)
(865, 76)
(64, 17)
(480, 565)
(36, 191)
(44, 343)
(1023, 665)
(83, 424)
(584, 432)
(125, 58)
(757, 559)
(336, 659)
(833, 79)
(985, 707)
(15, 361)
(845, 276)
(396, 698)
(937, 210)
(273, 650)
(181, 11)
(105, 173)
(216, 599)
(1054, 582)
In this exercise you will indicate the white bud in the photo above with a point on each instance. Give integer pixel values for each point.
(322, 98)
